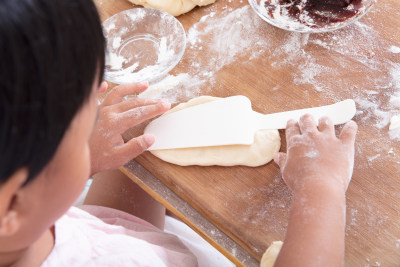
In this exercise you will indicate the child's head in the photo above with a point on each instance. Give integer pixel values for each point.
(52, 59)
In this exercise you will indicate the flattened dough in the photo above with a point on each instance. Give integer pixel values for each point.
(174, 7)
(269, 257)
(266, 144)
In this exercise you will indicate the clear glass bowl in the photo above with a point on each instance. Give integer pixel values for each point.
(143, 44)
(277, 15)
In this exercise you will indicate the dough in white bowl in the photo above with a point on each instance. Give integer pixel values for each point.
(266, 144)
(174, 7)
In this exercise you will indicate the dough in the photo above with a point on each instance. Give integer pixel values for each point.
(174, 7)
(266, 144)
(269, 257)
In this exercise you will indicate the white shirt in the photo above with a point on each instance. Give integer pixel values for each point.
(117, 239)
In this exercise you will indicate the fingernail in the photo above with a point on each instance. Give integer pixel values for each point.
(104, 83)
(353, 123)
(149, 139)
(290, 122)
(144, 83)
(323, 120)
(276, 158)
(103, 87)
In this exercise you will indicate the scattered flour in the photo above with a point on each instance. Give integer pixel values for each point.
(395, 135)
(238, 35)
(394, 128)
(234, 36)
(371, 112)
(395, 73)
(394, 49)
(116, 42)
(173, 87)
(225, 39)
(370, 159)
(115, 61)
(312, 154)
(394, 122)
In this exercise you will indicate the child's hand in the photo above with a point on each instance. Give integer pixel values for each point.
(315, 156)
(116, 115)
(317, 167)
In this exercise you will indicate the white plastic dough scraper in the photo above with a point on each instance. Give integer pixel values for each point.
(231, 121)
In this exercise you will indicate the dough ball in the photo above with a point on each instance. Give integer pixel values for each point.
(174, 7)
(269, 257)
(266, 144)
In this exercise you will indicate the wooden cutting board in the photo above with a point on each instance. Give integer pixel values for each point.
(279, 71)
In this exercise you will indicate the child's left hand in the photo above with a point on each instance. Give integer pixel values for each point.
(116, 115)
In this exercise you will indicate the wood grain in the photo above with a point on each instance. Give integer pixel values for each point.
(251, 205)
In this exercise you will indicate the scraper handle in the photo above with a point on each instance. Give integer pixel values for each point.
(339, 113)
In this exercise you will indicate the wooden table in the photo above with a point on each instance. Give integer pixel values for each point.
(230, 51)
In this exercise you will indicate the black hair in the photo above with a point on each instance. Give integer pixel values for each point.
(51, 52)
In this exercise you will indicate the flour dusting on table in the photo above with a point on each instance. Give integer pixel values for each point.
(234, 36)
(240, 37)
(394, 49)
(362, 65)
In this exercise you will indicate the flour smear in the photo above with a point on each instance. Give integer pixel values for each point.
(234, 36)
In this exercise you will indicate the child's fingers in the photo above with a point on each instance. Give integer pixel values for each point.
(134, 147)
(292, 129)
(133, 103)
(325, 124)
(118, 93)
(280, 159)
(138, 115)
(349, 131)
(307, 124)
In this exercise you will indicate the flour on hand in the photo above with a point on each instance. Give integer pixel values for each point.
(174, 7)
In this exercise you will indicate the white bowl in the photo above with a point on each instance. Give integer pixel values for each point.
(276, 15)
(143, 44)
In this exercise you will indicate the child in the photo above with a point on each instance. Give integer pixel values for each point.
(52, 59)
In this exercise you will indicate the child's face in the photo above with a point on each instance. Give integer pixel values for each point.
(51, 194)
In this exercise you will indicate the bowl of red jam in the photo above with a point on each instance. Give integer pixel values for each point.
(311, 16)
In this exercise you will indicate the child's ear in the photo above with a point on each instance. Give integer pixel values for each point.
(9, 219)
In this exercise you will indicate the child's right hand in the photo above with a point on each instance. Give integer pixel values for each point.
(116, 115)
(317, 167)
(315, 156)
